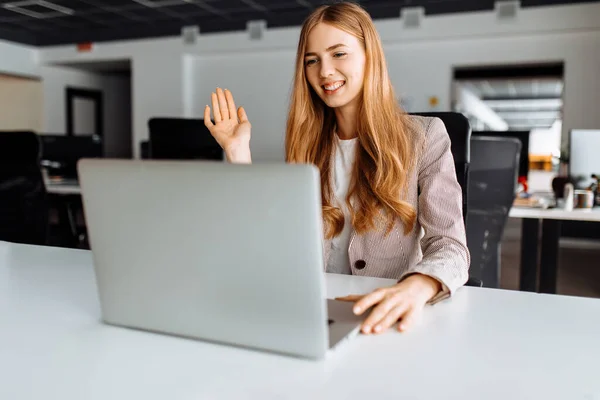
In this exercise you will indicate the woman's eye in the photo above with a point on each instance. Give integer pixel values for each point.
(310, 62)
(338, 55)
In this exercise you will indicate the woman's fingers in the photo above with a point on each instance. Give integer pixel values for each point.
(230, 104)
(391, 318)
(410, 318)
(207, 122)
(369, 300)
(216, 108)
(379, 312)
(222, 104)
(242, 115)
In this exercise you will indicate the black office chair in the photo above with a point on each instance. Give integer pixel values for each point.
(144, 149)
(23, 197)
(492, 189)
(459, 130)
(182, 139)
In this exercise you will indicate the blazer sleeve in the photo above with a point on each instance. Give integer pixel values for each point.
(444, 244)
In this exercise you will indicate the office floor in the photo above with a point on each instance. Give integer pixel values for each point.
(579, 263)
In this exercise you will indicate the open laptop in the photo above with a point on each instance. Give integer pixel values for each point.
(213, 251)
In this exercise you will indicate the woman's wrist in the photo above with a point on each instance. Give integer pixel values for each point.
(239, 154)
(425, 284)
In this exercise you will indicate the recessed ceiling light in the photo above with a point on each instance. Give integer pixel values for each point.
(54, 9)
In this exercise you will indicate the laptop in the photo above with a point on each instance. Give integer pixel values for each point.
(213, 251)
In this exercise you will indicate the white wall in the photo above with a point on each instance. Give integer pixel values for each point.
(420, 62)
(157, 90)
(18, 59)
(546, 141)
(116, 100)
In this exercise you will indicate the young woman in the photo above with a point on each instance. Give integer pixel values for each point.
(392, 206)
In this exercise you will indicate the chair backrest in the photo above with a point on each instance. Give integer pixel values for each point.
(182, 138)
(23, 198)
(459, 130)
(523, 137)
(144, 149)
(493, 186)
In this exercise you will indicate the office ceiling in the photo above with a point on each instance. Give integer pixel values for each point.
(53, 22)
(524, 104)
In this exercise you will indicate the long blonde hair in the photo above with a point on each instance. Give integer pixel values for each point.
(385, 154)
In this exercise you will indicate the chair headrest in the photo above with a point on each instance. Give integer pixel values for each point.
(19, 147)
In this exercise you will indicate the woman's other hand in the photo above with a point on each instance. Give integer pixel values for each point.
(402, 302)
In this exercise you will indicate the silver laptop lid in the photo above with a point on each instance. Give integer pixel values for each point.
(210, 250)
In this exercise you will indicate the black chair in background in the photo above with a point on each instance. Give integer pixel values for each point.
(523, 137)
(144, 149)
(459, 131)
(60, 154)
(493, 186)
(23, 197)
(182, 139)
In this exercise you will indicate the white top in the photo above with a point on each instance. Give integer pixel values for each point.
(480, 344)
(339, 260)
(577, 214)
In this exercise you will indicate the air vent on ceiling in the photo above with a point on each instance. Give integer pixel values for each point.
(256, 29)
(412, 16)
(507, 9)
(190, 34)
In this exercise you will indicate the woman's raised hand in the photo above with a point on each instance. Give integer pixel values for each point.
(231, 128)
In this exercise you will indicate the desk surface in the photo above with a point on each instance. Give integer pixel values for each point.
(481, 344)
(556, 213)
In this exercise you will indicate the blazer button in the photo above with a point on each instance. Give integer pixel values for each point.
(360, 264)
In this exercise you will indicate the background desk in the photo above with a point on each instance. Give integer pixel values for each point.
(65, 197)
(68, 187)
(548, 262)
(481, 344)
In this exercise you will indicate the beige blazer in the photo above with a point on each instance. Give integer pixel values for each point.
(437, 245)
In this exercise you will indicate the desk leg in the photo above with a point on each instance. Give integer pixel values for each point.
(529, 254)
(549, 260)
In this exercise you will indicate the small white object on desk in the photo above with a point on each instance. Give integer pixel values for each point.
(481, 344)
(568, 195)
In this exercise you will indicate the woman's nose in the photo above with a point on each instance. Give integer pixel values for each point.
(327, 69)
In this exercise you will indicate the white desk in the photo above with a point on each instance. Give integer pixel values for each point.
(481, 344)
(548, 262)
(592, 215)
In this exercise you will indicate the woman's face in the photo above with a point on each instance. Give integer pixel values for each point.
(334, 63)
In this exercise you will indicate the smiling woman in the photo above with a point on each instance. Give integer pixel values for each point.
(392, 206)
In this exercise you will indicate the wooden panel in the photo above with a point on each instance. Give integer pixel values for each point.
(20, 103)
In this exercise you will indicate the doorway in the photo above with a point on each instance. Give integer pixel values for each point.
(523, 101)
(85, 112)
(98, 102)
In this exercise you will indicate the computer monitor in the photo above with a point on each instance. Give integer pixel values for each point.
(523, 136)
(61, 152)
(584, 155)
(182, 139)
